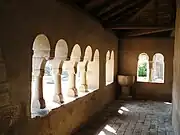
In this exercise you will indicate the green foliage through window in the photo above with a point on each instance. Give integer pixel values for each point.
(142, 70)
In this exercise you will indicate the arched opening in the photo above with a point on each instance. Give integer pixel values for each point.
(59, 74)
(75, 58)
(93, 72)
(112, 66)
(158, 68)
(41, 53)
(83, 68)
(108, 68)
(76, 53)
(143, 68)
(73, 72)
(88, 54)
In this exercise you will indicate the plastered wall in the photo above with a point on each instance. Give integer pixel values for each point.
(129, 50)
(20, 22)
(176, 73)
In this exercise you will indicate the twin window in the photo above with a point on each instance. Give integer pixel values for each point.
(150, 71)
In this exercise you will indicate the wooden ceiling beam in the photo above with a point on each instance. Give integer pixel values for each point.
(131, 27)
(140, 11)
(110, 6)
(94, 3)
(139, 27)
(120, 10)
(147, 32)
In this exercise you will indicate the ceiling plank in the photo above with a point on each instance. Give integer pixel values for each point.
(110, 6)
(94, 3)
(139, 26)
(146, 32)
(140, 11)
(120, 10)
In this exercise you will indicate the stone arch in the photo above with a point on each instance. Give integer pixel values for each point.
(112, 66)
(143, 68)
(76, 53)
(61, 50)
(41, 53)
(112, 55)
(41, 46)
(158, 57)
(109, 67)
(108, 55)
(158, 66)
(93, 72)
(96, 55)
(88, 53)
(143, 56)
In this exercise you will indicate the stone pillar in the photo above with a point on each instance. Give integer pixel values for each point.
(58, 96)
(150, 70)
(38, 98)
(72, 91)
(83, 80)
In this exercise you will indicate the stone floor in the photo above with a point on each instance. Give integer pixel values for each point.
(131, 118)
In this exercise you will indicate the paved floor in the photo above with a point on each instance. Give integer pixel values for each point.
(131, 118)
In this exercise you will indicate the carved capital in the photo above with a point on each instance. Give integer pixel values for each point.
(38, 72)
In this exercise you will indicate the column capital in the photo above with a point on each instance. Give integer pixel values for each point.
(70, 66)
(38, 72)
(83, 66)
(57, 71)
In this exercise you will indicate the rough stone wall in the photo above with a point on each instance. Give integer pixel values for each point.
(20, 22)
(176, 76)
(129, 50)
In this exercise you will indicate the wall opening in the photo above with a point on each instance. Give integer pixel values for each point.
(158, 68)
(41, 53)
(57, 81)
(109, 67)
(93, 72)
(143, 68)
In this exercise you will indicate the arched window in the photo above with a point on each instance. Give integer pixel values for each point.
(93, 72)
(41, 53)
(158, 68)
(112, 66)
(143, 68)
(109, 67)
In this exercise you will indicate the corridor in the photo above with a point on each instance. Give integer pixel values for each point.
(131, 118)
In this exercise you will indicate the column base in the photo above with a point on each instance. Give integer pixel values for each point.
(58, 98)
(42, 103)
(38, 103)
(72, 92)
(83, 88)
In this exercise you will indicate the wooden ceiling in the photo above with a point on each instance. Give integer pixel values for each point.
(132, 18)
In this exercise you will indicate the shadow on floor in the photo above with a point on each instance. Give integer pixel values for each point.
(131, 118)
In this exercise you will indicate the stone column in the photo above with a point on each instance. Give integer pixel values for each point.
(58, 96)
(150, 70)
(38, 98)
(72, 91)
(83, 80)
